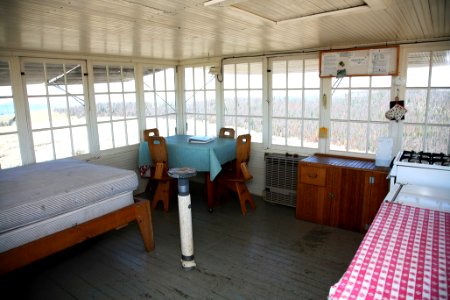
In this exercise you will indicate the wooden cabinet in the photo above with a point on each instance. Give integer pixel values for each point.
(340, 192)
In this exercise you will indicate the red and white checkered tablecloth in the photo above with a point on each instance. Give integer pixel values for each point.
(404, 255)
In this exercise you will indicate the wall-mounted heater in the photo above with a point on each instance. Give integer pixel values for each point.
(281, 178)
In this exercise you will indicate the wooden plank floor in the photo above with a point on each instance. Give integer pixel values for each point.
(267, 254)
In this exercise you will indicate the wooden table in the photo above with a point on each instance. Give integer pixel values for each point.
(204, 157)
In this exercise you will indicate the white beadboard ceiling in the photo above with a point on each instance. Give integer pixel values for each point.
(187, 29)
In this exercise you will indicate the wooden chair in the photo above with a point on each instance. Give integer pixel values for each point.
(158, 152)
(226, 133)
(150, 132)
(151, 185)
(236, 179)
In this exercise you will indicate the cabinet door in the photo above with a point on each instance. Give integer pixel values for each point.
(312, 204)
(347, 190)
(376, 189)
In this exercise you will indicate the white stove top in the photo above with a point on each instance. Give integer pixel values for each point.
(427, 170)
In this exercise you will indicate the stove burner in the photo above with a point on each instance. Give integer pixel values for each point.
(426, 158)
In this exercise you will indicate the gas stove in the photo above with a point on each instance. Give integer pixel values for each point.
(421, 168)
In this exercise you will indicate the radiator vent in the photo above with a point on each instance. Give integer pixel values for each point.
(281, 178)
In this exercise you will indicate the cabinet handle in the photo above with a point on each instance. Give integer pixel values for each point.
(330, 196)
(311, 175)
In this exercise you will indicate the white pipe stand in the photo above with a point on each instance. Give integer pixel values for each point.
(185, 215)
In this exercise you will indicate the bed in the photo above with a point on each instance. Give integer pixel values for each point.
(404, 255)
(47, 207)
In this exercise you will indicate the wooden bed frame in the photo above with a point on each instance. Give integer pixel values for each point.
(35, 250)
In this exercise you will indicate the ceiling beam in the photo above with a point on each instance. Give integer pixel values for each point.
(222, 3)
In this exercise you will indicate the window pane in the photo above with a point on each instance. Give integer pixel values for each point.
(77, 110)
(148, 79)
(312, 103)
(379, 104)
(418, 69)
(242, 76)
(103, 107)
(10, 151)
(278, 131)
(115, 79)
(38, 113)
(228, 76)
(256, 75)
(339, 104)
(190, 101)
(120, 138)
(438, 139)
(55, 79)
(211, 102)
(295, 103)
(199, 78)
(58, 107)
(256, 104)
(359, 107)
(256, 129)
(340, 82)
(170, 79)
(117, 107)
(338, 140)
(133, 132)
(310, 134)
(312, 79)
(242, 103)
(160, 80)
(440, 69)
(188, 79)
(62, 147)
(43, 149)
(381, 81)
(190, 120)
(100, 79)
(200, 103)
(357, 137)
(105, 136)
(230, 104)
(7, 116)
(439, 107)
(130, 105)
(80, 140)
(279, 74)
(294, 129)
(360, 81)
(279, 103)
(376, 131)
(295, 74)
(129, 84)
(416, 104)
(413, 137)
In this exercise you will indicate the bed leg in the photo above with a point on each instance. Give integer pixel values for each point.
(144, 220)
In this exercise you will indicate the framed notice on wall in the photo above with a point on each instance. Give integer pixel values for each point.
(359, 62)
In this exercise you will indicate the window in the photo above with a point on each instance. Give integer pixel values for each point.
(295, 102)
(200, 100)
(56, 102)
(427, 99)
(115, 101)
(357, 119)
(9, 140)
(159, 95)
(243, 98)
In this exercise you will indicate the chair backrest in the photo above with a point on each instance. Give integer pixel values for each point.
(243, 143)
(226, 133)
(150, 132)
(158, 151)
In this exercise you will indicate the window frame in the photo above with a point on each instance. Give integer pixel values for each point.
(302, 89)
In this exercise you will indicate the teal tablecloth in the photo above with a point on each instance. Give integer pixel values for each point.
(207, 157)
